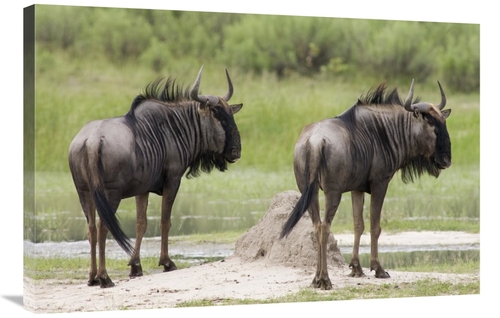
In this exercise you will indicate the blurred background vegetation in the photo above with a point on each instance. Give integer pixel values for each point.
(282, 45)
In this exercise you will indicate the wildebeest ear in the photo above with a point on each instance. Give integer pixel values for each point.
(236, 108)
(446, 113)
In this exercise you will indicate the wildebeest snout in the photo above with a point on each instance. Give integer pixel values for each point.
(446, 162)
(443, 162)
(235, 155)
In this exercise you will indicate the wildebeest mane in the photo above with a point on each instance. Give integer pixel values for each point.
(380, 96)
(162, 91)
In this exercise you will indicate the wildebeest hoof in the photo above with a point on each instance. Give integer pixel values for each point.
(357, 274)
(382, 274)
(135, 271)
(356, 271)
(170, 266)
(324, 284)
(106, 282)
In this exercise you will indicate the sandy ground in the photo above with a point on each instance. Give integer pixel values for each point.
(230, 278)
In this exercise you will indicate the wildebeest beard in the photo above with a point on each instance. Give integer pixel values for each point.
(206, 162)
(418, 166)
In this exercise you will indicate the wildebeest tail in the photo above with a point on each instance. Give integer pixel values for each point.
(104, 210)
(311, 167)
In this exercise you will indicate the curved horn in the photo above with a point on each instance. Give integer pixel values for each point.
(196, 85)
(212, 100)
(422, 107)
(229, 93)
(443, 98)
(409, 98)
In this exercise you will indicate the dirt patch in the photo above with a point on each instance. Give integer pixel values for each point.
(262, 241)
(261, 267)
(229, 279)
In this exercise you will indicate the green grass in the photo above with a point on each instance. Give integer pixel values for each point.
(76, 269)
(275, 111)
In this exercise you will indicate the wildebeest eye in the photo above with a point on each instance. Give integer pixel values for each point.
(216, 110)
(428, 118)
(221, 114)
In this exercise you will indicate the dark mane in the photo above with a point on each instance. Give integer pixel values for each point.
(380, 96)
(167, 92)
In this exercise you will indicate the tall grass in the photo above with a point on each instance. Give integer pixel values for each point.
(272, 117)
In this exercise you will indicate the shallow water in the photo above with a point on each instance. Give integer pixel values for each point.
(391, 256)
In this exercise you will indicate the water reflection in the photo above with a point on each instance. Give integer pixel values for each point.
(191, 214)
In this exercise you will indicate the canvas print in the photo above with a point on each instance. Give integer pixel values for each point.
(187, 159)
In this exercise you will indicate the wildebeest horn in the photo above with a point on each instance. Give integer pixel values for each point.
(409, 98)
(212, 100)
(227, 97)
(443, 98)
(422, 107)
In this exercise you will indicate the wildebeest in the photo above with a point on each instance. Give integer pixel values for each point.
(360, 151)
(166, 133)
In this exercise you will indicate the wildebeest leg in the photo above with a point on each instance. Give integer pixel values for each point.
(141, 202)
(377, 200)
(316, 220)
(102, 275)
(89, 211)
(358, 199)
(332, 200)
(169, 194)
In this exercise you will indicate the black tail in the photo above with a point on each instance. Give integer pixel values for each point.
(300, 208)
(104, 210)
(108, 217)
(308, 159)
